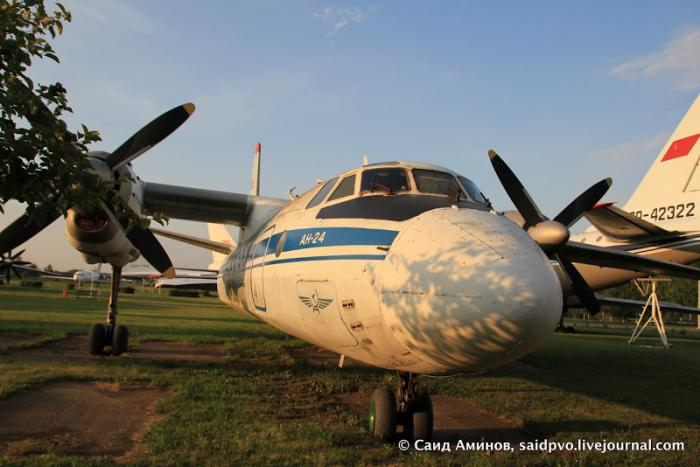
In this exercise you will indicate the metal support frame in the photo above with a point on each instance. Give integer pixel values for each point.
(407, 389)
(112, 311)
(647, 287)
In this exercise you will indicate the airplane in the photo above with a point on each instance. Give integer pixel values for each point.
(404, 266)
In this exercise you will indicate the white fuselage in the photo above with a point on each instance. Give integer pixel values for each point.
(449, 290)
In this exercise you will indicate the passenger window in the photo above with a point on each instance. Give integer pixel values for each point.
(389, 181)
(325, 189)
(432, 181)
(345, 188)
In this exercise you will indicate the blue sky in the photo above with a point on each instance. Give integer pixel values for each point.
(567, 92)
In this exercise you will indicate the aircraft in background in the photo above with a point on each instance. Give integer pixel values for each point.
(404, 266)
(186, 278)
(10, 264)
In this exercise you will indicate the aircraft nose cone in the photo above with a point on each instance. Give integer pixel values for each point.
(467, 290)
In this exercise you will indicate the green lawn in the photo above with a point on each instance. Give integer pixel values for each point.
(262, 406)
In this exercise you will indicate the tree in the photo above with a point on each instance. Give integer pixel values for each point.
(39, 156)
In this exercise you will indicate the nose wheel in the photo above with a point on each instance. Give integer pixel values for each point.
(110, 334)
(407, 408)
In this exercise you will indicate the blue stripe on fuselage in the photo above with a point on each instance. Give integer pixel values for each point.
(334, 236)
(314, 238)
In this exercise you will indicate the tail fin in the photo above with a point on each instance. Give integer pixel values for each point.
(255, 185)
(218, 233)
(670, 189)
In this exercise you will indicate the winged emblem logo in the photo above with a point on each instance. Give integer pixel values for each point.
(315, 302)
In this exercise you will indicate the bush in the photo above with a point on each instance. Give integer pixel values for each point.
(36, 284)
(129, 290)
(183, 293)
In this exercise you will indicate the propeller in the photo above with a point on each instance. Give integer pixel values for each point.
(150, 135)
(8, 263)
(553, 235)
(26, 226)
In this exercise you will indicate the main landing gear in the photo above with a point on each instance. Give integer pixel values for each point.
(109, 334)
(406, 408)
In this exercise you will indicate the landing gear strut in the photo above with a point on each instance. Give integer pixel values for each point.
(109, 334)
(407, 407)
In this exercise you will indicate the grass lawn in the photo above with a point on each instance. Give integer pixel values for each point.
(262, 406)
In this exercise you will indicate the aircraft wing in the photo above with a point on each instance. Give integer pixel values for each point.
(618, 224)
(620, 259)
(573, 302)
(201, 205)
(59, 278)
(46, 274)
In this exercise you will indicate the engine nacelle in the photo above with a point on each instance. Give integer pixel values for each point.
(99, 238)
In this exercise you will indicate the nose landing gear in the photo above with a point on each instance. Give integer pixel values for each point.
(407, 408)
(109, 334)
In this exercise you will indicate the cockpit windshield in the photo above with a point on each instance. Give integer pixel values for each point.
(385, 180)
(434, 182)
(472, 190)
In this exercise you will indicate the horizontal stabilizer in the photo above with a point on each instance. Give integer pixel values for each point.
(196, 241)
(184, 283)
(574, 302)
(617, 224)
(619, 259)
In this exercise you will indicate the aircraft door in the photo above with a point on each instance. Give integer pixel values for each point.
(257, 270)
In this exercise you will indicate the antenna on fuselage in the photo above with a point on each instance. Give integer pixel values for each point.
(255, 185)
(365, 160)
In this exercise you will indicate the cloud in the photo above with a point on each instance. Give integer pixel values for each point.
(679, 58)
(115, 14)
(339, 18)
(628, 152)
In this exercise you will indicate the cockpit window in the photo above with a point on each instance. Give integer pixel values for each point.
(472, 189)
(386, 180)
(434, 182)
(345, 188)
(322, 193)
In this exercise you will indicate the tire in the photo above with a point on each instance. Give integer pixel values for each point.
(97, 338)
(382, 413)
(120, 340)
(423, 419)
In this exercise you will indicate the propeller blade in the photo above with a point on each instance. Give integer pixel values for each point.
(16, 255)
(19, 276)
(516, 191)
(584, 202)
(578, 283)
(150, 135)
(152, 251)
(23, 229)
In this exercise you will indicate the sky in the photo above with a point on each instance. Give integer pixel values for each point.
(567, 92)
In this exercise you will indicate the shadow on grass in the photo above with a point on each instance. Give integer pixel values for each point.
(658, 381)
